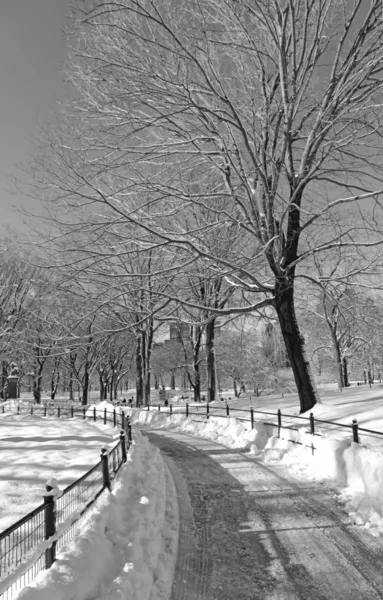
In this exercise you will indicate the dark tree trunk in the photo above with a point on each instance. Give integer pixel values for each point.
(111, 389)
(147, 344)
(85, 388)
(139, 377)
(338, 360)
(172, 381)
(4, 375)
(37, 385)
(55, 383)
(345, 372)
(210, 361)
(112, 385)
(101, 387)
(236, 394)
(197, 383)
(147, 388)
(295, 345)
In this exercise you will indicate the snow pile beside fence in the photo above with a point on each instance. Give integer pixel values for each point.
(356, 468)
(127, 546)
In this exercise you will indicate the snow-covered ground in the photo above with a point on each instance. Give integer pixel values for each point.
(126, 548)
(34, 449)
(357, 402)
(356, 469)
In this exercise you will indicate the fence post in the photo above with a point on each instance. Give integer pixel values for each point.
(227, 410)
(187, 409)
(312, 426)
(207, 410)
(104, 416)
(252, 417)
(123, 445)
(355, 434)
(83, 413)
(129, 430)
(114, 417)
(170, 409)
(105, 468)
(18, 409)
(148, 407)
(58, 412)
(159, 407)
(72, 412)
(45, 410)
(50, 529)
(122, 420)
(279, 422)
(94, 413)
(31, 409)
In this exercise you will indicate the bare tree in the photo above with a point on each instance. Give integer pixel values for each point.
(274, 105)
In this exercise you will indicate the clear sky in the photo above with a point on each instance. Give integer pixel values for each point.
(32, 50)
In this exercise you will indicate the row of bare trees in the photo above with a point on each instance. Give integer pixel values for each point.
(64, 341)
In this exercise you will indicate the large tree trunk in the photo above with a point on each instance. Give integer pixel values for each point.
(345, 372)
(338, 360)
(112, 385)
(85, 388)
(37, 384)
(4, 376)
(53, 388)
(148, 345)
(295, 345)
(139, 375)
(172, 380)
(71, 395)
(196, 384)
(210, 361)
(55, 381)
(147, 385)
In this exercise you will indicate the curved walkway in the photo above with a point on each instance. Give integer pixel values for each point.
(249, 531)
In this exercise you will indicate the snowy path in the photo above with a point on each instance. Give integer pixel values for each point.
(250, 531)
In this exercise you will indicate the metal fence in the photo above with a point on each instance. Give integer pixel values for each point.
(29, 545)
(278, 420)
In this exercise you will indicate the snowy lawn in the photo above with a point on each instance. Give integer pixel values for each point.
(34, 449)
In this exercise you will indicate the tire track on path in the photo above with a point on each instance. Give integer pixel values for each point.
(250, 531)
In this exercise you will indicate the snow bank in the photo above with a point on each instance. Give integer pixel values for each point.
(126, 546)
(100, 409)
(356, 468)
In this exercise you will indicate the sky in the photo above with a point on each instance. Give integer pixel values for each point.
(32, 51)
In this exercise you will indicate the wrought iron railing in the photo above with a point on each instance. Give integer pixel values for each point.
(29, 545)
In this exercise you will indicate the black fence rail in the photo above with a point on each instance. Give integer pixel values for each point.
(29, 545)
(278, 420)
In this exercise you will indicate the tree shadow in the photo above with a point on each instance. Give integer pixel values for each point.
(251, 535)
